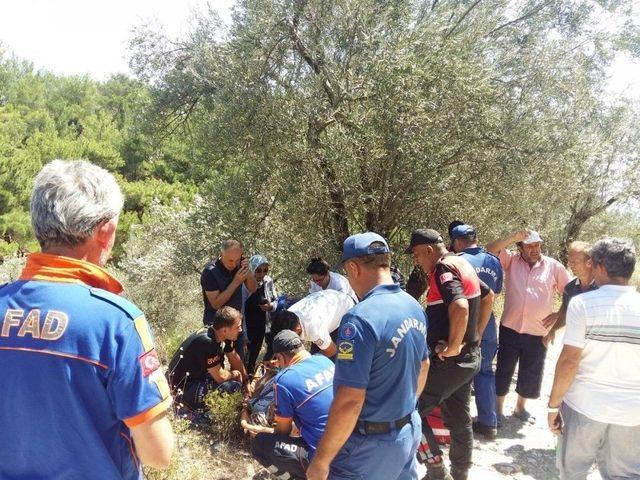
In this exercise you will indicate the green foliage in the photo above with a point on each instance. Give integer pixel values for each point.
(44, 116)
(355, 115)
(10, 268)
(224, 410)
(170, 298)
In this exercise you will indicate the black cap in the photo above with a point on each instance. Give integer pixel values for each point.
(285, 341)
(424, 236)
(454, 224)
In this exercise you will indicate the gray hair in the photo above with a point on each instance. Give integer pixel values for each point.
(229, 243)
(616, 255)
(70, 199)
(580, 247)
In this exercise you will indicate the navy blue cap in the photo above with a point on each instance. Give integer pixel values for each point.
(360, 244)
(286, 341)
(462, 231)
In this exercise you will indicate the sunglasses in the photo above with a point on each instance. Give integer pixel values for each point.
(262, 270)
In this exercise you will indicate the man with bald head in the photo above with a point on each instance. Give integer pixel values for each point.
(221, 282)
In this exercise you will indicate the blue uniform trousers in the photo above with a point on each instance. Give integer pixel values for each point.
(386, 456)
(484, 383)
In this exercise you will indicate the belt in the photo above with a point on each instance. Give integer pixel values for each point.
(375, 428)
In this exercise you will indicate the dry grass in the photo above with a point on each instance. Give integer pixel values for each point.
(200, 455)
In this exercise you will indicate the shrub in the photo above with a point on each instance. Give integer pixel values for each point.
(11, 268)
(224, 410)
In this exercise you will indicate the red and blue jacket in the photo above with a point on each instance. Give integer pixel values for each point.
(78, 369)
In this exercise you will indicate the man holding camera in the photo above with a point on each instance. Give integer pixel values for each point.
(222, 280)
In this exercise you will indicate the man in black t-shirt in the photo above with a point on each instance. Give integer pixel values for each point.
(221, 282)
(579, 261)
(222, 279)
(197, 367)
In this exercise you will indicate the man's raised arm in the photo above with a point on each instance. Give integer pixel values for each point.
(497, 246)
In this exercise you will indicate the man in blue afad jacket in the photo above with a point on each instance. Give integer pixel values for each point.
(373, 429)
(82, 394)
(303, 395)
(465, 241)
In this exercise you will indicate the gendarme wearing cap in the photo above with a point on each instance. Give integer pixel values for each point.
(363, 244)
(423, 236)
(462, 231)
(380, 370)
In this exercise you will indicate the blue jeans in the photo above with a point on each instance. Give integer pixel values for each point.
(484, 383)
(386, 456)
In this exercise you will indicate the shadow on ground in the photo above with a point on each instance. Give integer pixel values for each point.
(538, 463)
(511, 428)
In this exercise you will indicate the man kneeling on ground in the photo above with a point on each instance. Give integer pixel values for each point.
(316, 319)
(197, 367)
(304, 393)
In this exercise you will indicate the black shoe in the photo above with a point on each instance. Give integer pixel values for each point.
(437, 471)
(459, 474)
(502, 420)
(486, 431)
(524, 416)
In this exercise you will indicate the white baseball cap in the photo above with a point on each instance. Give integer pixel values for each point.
(534, 237)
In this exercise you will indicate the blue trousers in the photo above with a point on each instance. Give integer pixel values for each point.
(386, 456)
(484, 383)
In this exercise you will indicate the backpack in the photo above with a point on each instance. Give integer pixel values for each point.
(262, 402)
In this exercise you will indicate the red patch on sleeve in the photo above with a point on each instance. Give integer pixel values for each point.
(149, 362)
(446, 277)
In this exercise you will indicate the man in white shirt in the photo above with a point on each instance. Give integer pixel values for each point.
(316, 319)
(324, 279)
(595, 401)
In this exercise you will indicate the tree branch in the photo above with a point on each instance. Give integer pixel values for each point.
(526, 16)
(316, 65)
(460, 20)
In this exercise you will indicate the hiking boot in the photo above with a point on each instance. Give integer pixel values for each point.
(486, 431)
(437, 471)
(459, 474)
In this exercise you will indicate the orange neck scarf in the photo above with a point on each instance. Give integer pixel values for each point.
(56, 268)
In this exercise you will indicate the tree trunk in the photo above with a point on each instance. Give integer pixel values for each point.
(337, 204)
(580, 214)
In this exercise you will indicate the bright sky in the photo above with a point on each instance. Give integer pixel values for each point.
(87, 36)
